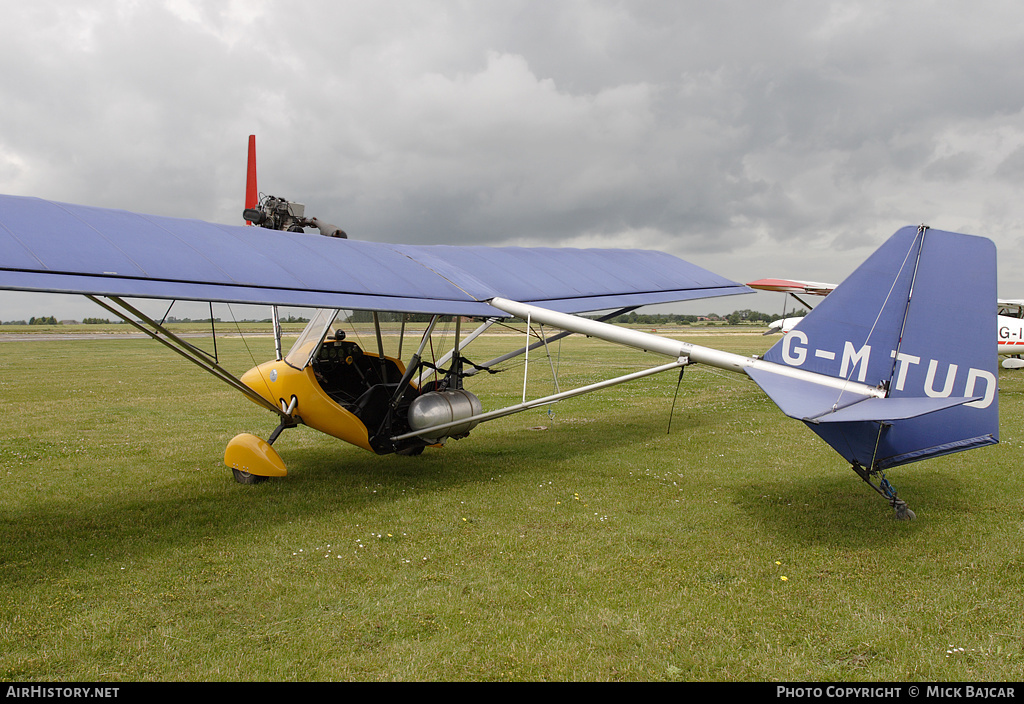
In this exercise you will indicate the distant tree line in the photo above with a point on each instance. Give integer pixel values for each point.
(737, 317)
(366, 316)
(288, 319)
(52, 320)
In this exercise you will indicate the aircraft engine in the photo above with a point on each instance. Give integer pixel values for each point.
(438, 407)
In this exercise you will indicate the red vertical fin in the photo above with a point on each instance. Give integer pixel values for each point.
(250, 179)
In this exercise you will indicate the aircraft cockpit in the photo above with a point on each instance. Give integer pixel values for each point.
(1011, 308)
(345, 372)
(363, 382)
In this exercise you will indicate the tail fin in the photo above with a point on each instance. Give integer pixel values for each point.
(917, 318)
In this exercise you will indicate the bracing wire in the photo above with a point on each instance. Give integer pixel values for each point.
(238, 329)
(878, 316)
(672, 410)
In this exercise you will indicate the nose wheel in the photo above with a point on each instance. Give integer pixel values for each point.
(243, 477)
(252, 459)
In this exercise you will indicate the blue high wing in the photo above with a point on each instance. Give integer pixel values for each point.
(57, 247)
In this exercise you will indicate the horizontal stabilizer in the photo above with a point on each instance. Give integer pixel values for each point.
(807, 401)
(889, 409)
(802, 399)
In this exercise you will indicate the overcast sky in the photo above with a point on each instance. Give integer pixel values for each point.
(753, 138)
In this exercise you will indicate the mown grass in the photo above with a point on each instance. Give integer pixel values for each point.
(583, 544)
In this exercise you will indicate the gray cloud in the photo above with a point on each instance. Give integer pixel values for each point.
(753, 138)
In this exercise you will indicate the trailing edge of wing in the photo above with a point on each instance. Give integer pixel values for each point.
(57, 247)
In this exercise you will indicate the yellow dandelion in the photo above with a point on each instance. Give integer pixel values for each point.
(784, 578)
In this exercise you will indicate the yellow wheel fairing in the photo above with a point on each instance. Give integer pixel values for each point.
(253, 455)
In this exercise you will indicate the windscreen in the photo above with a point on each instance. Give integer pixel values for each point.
(305, 347)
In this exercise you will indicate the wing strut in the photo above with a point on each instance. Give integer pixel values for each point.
(187, 350)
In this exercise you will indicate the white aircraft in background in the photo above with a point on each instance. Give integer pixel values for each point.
(1010, 317)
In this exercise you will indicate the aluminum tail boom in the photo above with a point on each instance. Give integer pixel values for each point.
(675, 348)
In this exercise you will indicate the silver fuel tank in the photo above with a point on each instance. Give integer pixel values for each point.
(440, 407)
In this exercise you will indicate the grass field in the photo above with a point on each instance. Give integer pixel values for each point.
(584, 544)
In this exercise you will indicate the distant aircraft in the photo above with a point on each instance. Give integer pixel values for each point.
(1011, 332)
(889, 369)
(1010, 318)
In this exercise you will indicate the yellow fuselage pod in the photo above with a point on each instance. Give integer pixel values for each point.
(279, 382)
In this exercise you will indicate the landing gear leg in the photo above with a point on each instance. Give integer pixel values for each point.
(285, 424)
(887, 490)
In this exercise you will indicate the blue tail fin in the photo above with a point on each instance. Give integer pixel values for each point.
(918, 318)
